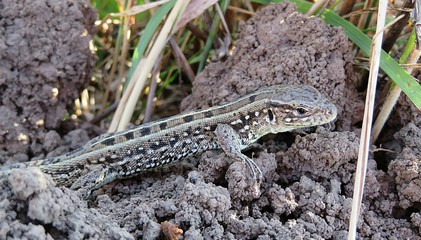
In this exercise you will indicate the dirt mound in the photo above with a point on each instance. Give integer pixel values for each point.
(308, 181)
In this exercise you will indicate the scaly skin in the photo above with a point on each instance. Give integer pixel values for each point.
(232, 127)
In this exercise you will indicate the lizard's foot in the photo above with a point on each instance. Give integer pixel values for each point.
(255, 171)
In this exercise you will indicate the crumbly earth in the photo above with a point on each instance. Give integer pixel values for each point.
(307, 190)
(45, 62)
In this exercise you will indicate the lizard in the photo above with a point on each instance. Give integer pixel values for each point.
(232, 127)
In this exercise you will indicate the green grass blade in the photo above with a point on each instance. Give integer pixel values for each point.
(399, 76)
(105, 7)
(212, 34)
(146, 37)
(409, 46)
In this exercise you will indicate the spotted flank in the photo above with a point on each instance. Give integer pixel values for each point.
(232, 127)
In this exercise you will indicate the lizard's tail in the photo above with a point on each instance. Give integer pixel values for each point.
(61, 173)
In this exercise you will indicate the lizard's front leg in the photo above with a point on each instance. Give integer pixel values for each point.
(231, 144)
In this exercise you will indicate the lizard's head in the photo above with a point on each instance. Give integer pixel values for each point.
(297, 107)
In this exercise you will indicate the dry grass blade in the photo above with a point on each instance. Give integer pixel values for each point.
(124, 49)
(117, 58)
(212, 35)
(367, 121)
(363, 18)
(138, 81)
(393, 91)
(391, 98)
(224, 23)
(417, 17)
(151, 94)
(411, 66)
(194, 9)
(240, 10)
(394, 32)
(181, 59)
(399, 76)
(346, 7)
(315, 6)
(139, 8)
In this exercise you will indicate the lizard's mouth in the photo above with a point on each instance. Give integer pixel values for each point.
(311, 119)
(331, 113)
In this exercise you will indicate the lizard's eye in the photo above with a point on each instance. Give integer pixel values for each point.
(301, 110)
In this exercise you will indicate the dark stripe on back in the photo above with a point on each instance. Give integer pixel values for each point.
(145, 131)
(163, 125)
(129, 135)
(188, 118)
(208, 114)
(108, 141)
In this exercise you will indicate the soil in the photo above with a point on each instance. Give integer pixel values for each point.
(307, 189)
